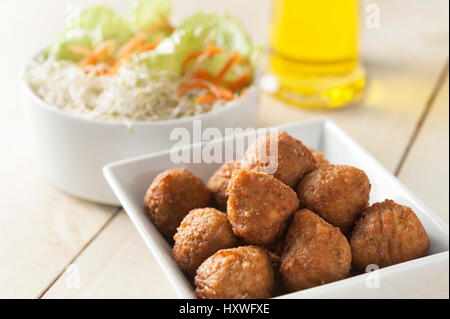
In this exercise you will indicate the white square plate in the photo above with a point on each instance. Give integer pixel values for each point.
(130, 179)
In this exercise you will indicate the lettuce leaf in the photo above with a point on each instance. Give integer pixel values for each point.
(59, 49)
(215, 64)
(193, 34)
(145, 13)
(111, 24)
(223, 30)
(99, 23)
(95, 24)
(171, 52)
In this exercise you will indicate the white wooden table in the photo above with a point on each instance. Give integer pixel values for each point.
(47, 236)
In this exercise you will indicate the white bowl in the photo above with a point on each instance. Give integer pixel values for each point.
(130, 179)
(71, 151)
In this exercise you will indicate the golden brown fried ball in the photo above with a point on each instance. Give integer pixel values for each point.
(387, 234)
(171, 196)
(315, 252)
(243, 272)
(201, 233)
(259, 206)
(291, 161)
(337, 193)
(319, 157)
(218, 183)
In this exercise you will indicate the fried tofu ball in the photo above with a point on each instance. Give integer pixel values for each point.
(218, 184)
(236, 273)
(171, 196)
(315, 252)
(259, 206)
(319, 157)
(201, 233)
(288, 164)
(387, 234)
(337, 193)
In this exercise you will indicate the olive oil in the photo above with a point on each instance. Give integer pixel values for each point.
(314, 52)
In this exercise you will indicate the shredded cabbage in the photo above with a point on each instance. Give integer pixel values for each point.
(135, 93)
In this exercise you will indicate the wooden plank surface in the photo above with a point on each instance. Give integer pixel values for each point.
(41, 228)
(116, 265)
(42, 231)
(425, 171)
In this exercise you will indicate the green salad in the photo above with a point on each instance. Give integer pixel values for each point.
(142, 67)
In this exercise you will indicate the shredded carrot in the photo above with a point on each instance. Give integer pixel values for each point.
(149, 46)
(215, 81)
(118, 63)
(154, 28)
(80, 49)
(224, 93)
(194, 84)
(103, 48)
(100, 69)
(131, 45)
(124, 54)
(240, 82)
(166, 22)
(207, 98)
(105, 69)
(216, 91)
(234, 58)
(163, 24)
(91, 57)
(204, 75)
(207, 52)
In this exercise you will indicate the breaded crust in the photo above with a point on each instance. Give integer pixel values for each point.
(315, 252)
(259, 206)
(387, 234)
(218, 184)
(244, 272)
(319, 157)
(171, 196)
(337, 193)
(201, 233)
(291, 161)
